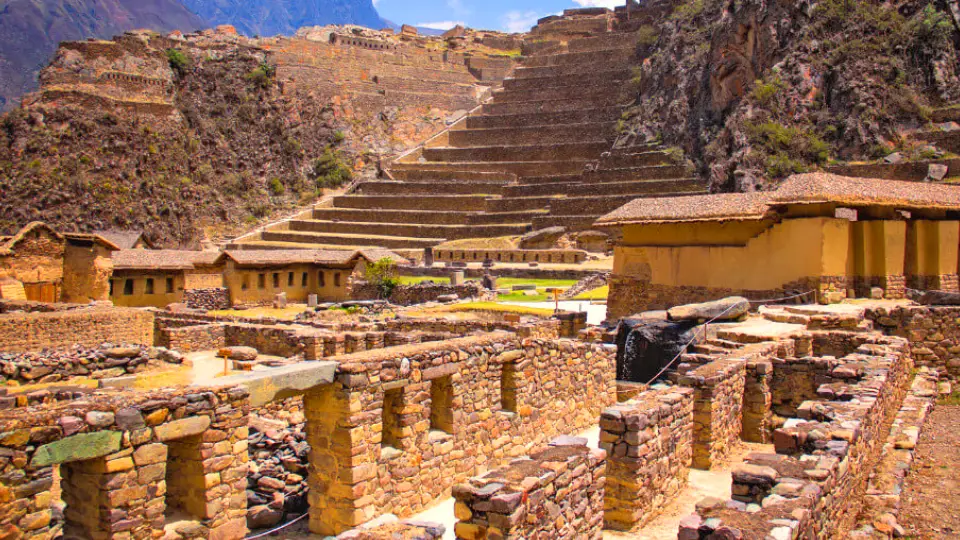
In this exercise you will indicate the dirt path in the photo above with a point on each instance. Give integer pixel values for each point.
(931, 500)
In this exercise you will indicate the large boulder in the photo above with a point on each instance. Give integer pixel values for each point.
(542, 238)
(934, 298)
(247, 354)
(262, 516)
(726, 309)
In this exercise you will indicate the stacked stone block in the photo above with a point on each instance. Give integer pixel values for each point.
(114, 451)
(25, 332)
(649, 444)
(374, 449)
(933, 332)
(757, 401)
(556, 492)
(717, 410)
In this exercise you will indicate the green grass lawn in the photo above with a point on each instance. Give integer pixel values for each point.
(413, 280)
(596, 294)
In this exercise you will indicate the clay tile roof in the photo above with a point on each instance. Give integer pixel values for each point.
(123, 239)
(162, 259)
(811, 188)
(729, 206)
(824, 187)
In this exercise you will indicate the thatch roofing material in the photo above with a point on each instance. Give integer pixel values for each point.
(812, 188)
(162, 259)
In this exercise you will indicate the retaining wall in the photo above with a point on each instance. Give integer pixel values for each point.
(23, 332)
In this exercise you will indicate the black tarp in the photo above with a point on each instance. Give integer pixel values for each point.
(645, 346)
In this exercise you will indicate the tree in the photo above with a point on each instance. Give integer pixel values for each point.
(383, 275)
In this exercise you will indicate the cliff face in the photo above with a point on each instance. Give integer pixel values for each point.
(30, 31)
(204, 136)
(276, 17)
(755, 90)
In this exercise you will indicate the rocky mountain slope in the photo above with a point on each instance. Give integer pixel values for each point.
(30, 31)
(755, 90)
(274, 17)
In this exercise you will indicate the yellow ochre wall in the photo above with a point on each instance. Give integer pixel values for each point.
(936, 247)
(160, 297)
(234, 278)
(735, 255)
(879, 248)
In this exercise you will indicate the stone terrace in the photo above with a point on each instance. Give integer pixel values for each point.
(518, 162)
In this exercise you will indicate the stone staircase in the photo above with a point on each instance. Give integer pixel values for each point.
(537, 154)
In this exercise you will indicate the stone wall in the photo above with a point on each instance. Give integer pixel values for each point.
(188, 339)
(78, 361)
(649, 444)
(717, 410)
(933, 332)
(400, 426)
(207, 299)
(22, 332)
(408, 295)
(557, 492)
(812, 487)
(127, 459)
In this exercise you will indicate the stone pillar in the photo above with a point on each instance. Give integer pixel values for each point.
(757, 403)
(428, 257)
(456, 277)
(717, 409)
(343, 463)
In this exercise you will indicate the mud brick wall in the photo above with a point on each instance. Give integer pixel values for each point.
(649, 444)
(400, 426)
(933, 332)
(555, 493)
(187, 339)
(717, 410)
(813, 485)
(125, 459)
(23, 332)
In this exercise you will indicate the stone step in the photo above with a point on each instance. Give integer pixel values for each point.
(541, 152)
(546, 106)
(518, 216)
(571, 70)
(638, 158)
(340, 239)
(650, 172)
(268, 244)
(944, 140)
(946, 114)
(914, 171)
(603, 204)
(463, 203)
(571, 223)
(430, 217)
(551, 179)
(555, 81)
(579, 116)
(533, 135)
(446, 175)
(435, 187)
(579, 58)
(519, 168)
(603, 42)
(414, 230)
(587, 90)
(605, 188)
(519, 204)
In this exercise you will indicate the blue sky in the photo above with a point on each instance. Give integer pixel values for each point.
(506, 15)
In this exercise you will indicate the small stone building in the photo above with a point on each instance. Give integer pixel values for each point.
(40, 264)
(127, 239)
(832, 235)
(256, 276)
(157, 278)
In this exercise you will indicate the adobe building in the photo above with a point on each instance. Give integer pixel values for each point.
(257, 276)
(835, 236)
(127, 239)
(40, 264)
(143, 278)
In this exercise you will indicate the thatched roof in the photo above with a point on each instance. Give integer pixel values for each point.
(333, 257)
(163, 259)
(812, 188)
(124, 239)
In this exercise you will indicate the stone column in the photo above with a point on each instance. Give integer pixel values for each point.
(931, 254)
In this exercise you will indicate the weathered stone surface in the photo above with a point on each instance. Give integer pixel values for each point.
(266, 386)
(238, 353)
(179, 429)
(726, 309)
(542, 238)
(78, 447)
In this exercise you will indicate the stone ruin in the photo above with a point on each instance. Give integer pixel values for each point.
(362, 421)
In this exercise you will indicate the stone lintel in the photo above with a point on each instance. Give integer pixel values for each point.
(79, 447)
(282, 382)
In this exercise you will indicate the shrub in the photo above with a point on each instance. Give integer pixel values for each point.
(276, 187)
(383, 275)
(339, 136)
(262, 75)
(329, 171)
(178, 61)
(764, 92)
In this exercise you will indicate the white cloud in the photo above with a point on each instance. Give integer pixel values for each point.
(599, 3)
(440, 25)
(519, 21)
(376, 3)
(458, 7)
